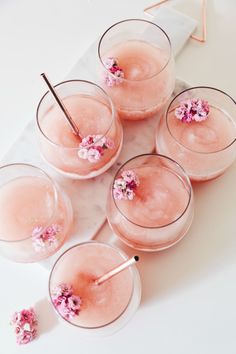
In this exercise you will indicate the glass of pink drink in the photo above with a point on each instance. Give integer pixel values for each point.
(205, 148)
(143, 78)
(94, 114)
(153, 210)
(100, 309)
(35, 214)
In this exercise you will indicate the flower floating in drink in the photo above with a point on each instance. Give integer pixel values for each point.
(36, 215)
(199, 132)
(44, 238)
(125, 186)
(93, 147)
(150, 205)
(192, 110)
(94, 286)
(137, 68)
(67, 304)
(91, 142)
(114, 74)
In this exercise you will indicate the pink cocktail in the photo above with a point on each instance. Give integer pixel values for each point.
(100, 129)
(35, 214)
(150, 205)
(106, 306)
(204, 147)
(137, 68)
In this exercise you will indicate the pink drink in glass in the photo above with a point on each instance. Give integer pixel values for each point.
(143, 52)
(35, 215)
(101, 305)
(205, 149)
(161, 211)
(94, 114)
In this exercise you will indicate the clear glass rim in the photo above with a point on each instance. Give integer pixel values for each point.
(190, 89)
(55, 196)
(166, 158)
(132, 20)
(123, 255)
(76, 81)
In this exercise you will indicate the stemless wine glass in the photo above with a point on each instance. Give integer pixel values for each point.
(137, 67)
(100, 129)
(94, 309)
(150, 203)
(36, 215)
(205, 148)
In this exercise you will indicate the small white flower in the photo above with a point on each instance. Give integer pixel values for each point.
(83, 153)
(120, 183)
(109, 80)
(93, 155)
(130, 194)
(110, 62)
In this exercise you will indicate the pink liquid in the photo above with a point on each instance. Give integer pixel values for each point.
(148, 81)
(159, 214)
(27, 203)
(201, 149)
(19, 212)
(79, 267)
(93, 118)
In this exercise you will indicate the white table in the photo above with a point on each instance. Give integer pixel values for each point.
(189, 291)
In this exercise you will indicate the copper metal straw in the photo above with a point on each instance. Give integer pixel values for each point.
(116, 270)
(62, 106)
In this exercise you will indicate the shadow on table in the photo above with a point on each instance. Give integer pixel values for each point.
(47, 318)
(209, 245)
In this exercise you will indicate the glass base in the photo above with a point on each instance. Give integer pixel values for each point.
(155, 248)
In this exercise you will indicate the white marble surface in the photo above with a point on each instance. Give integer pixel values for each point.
(188, 291)
(177, 25)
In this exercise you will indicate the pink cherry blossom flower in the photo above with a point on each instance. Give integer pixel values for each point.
(43, 238)
(130, 194)
(94, 154)
(83, 153)
(120, 183)
(67, 304)
(63, 290)
(118, 193)
(110, 62)
(92, 147)
(129, 176)
(124, 187)
(24, 337)
(109, 80)
(88, 140)
(115, 74)
(25, 323)
(194, 109)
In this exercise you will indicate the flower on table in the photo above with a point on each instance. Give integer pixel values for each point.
(67, 304)
(92, 147)
(124, 187)
(43, 238)
(194, 109)
(25, 323)
(115, 74)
